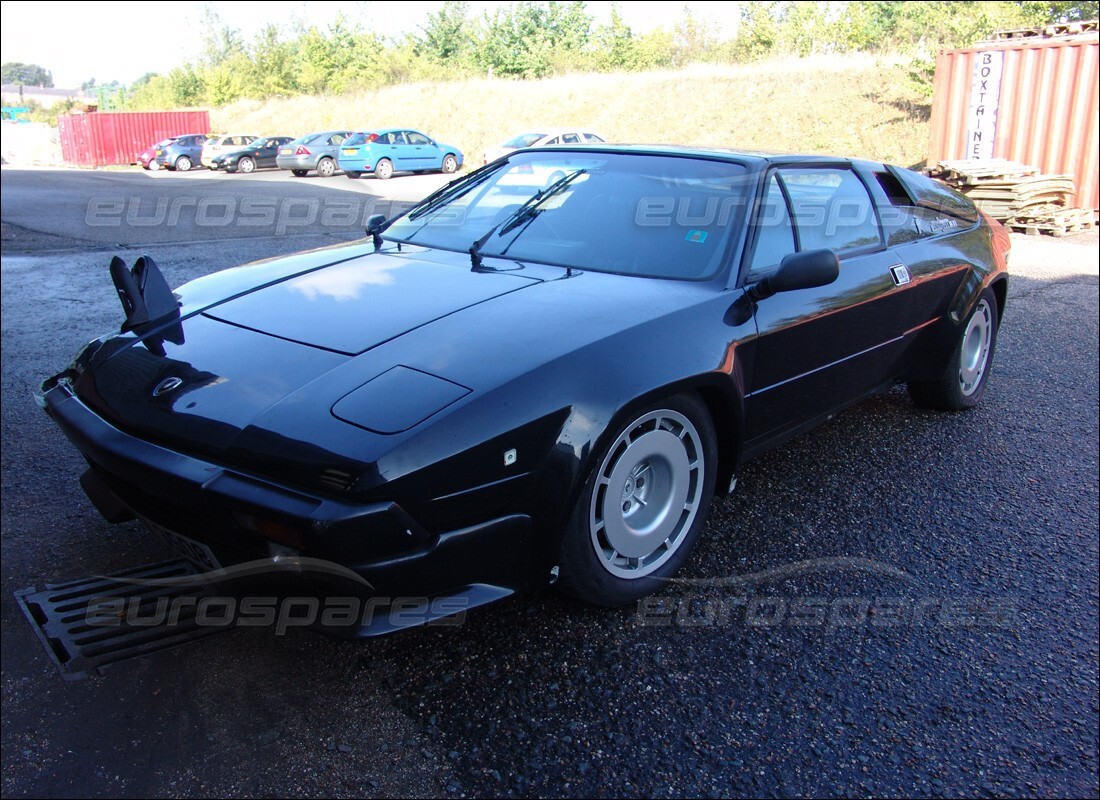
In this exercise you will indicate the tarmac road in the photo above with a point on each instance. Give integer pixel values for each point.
(913, 606)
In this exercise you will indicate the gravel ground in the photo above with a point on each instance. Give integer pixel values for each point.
(914, 609)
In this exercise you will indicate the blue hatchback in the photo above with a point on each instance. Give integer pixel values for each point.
(389, 150)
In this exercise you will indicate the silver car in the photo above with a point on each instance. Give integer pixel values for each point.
(314, 151)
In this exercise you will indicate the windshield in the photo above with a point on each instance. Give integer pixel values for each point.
(523, 140)
(654, 216)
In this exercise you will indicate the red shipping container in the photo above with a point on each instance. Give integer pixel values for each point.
(106, 138)
(1031, 100)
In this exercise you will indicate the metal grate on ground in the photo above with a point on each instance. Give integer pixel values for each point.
(72, 619)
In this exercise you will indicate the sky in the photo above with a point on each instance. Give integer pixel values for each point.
(124, 40)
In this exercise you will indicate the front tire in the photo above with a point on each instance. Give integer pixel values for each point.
(971, 359)
(246, 164)
(352, 175)
(643, 506)
(299, 173)
(450, 164)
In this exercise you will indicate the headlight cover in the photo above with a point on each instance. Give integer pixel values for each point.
(397, 400)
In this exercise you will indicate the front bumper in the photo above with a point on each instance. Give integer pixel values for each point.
(240, 517)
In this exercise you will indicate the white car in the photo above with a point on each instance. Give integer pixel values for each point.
(216, 145)
(546, 136)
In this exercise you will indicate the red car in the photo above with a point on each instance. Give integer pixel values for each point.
(147, 158)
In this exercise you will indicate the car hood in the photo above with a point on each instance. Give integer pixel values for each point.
(351, 306)
(333, 358)
(201, 381)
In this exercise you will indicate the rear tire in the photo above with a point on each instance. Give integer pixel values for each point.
(383, 170)
(299, 173)
(326, 167)
(643, 506)
(184, 164)
(967, 372)
(353, 175)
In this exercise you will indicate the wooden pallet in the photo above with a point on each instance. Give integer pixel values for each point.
(970, 172)
(1058, 222)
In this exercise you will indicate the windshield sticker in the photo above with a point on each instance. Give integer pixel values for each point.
(696, 236)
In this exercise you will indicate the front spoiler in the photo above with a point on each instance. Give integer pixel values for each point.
(396, 557)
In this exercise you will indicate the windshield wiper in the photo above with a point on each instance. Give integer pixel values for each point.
(525, 213)
(446, 193)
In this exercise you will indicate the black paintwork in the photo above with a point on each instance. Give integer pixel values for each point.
(360, 403)
(263, 153)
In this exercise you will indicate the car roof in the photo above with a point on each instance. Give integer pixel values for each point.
(556, 131)
(391, 130)
(756, 158)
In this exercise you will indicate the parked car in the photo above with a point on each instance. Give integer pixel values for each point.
(260, 154)
(542, 138)
(147, 158)
(314, 151)
(182, 153)
(216, 145)
(389, 150)
(508, 387)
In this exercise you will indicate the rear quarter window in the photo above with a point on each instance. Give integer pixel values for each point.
(831, 209)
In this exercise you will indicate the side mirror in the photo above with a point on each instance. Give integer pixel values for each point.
(805, 270)
(376, 223)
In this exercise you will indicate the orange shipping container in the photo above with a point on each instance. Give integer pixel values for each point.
(1031, 100)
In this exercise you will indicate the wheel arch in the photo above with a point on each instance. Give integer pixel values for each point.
(718, 395)
(1000, 291)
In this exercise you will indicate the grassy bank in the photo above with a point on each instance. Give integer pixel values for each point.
(845, 105)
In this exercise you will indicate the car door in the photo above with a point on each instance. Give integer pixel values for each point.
(400, 153)
(822, 348)
(331, 145)
(265, 156)
(423, 152)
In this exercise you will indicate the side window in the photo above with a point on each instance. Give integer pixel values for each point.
(417, 138)
(591, 137)
(570, 138)
(831, 208)
(555, 140)
(774, 234)
(337, 138)
(399, 138)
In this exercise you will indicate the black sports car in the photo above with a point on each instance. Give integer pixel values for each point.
(260, 154)
(539, 374)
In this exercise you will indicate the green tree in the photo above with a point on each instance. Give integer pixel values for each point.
(525, 40)
(447, 38)
(21, 74)
(615, 44)
(691, 39)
